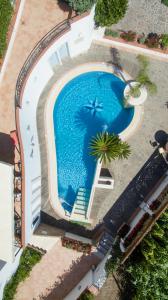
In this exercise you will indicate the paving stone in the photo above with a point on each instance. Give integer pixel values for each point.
(142, 16)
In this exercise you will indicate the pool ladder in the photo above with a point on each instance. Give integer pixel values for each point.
(79, 211)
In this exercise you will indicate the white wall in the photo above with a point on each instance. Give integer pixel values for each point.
(6, 212)
(78, 40)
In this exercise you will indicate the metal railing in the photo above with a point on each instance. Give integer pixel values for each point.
(40, 47)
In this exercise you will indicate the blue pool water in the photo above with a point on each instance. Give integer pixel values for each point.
(85, 106)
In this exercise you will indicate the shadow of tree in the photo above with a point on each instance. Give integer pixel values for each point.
(65, 283)
(64, 7)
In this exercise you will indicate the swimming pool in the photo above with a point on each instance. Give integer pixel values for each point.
(88, 104)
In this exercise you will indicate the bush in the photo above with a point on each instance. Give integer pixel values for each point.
(112, 33)
(128, 36)
(142, 39)
(152, 40)
(28, 259)
(109, 12)
(5, 17)
(86, 296)
(80, 6)
(164, 41)
(165, 2)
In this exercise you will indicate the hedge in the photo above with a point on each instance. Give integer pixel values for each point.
(5, 17)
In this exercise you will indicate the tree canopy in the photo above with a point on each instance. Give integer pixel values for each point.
(149, 271)
(109, 12)
(80, 6)
(106, 146)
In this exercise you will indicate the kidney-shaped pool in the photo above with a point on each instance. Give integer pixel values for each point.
(88, 104)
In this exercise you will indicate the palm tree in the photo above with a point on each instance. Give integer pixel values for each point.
(107, 146)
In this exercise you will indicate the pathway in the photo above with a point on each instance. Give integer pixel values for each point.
(37, 19)
(56, 274)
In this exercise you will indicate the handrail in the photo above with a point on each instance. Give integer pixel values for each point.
(35, 54)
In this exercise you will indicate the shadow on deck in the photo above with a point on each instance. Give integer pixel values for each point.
(136, 192)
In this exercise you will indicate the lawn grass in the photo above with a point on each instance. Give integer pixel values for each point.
(28, 259)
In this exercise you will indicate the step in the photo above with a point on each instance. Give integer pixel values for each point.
(104, 245)
(102, 250)
(80, 212)
(85, 194)
(83, 190)
(81, 207)
(81, 202)
(105, 241)
(109, 237)
(80, 197)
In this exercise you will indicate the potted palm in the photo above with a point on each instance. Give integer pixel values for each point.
(135, 92)
(106, 147)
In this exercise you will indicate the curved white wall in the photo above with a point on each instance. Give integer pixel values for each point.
(78, 39)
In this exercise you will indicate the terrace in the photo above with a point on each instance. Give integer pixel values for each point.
(104, 199)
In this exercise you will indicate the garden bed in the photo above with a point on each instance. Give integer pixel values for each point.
(76, 245)
(29, 258)
(135, 40)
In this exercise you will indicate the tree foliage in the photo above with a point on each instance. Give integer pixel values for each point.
(5, 17)
(149, 273)
(80, 6)
(109, 12)
(109, 146)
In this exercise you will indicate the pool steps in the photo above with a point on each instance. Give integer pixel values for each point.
(80, 206)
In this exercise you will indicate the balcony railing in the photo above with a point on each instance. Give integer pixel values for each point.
(33, 57)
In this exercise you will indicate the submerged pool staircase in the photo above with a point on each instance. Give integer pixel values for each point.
(80, 207)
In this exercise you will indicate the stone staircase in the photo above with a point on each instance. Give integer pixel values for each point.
(105, 244)
(80, 207)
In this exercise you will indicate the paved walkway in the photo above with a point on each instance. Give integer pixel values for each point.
(145, 16)
(56, 274)
(37, 19)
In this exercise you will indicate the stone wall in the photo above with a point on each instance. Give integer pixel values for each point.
(145, 16)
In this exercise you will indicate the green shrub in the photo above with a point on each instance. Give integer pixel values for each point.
(86, 296)
(152, 40)
(5, 17)
(128, 35)
(142, 39)
(165, 2)
(164, 41)
(80, 6)
(28, 259)
(111, 32)
(109, 12)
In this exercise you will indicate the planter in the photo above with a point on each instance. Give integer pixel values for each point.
(76, 245)
(131, 100)
(136, 44)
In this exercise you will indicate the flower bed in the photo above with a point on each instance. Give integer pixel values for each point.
(151, 41)
(76, 245)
